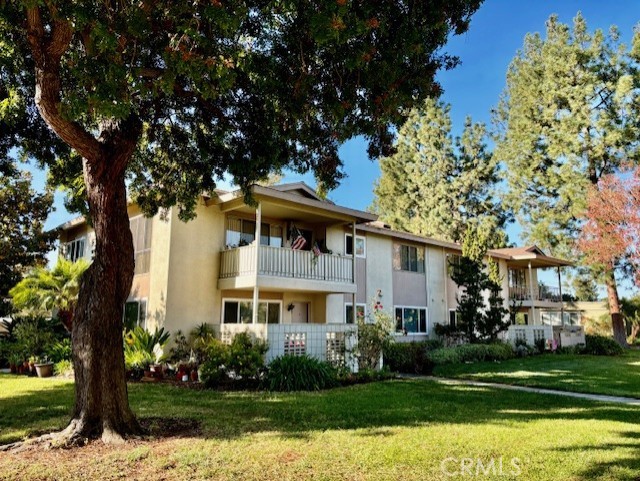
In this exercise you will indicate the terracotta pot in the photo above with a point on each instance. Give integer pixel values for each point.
(44, 370)
(13, 368)
(194, 375)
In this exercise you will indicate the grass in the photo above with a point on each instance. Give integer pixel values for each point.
(612, 375)
(390, 430)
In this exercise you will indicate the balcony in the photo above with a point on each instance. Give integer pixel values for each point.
(274, 263)
(542, 293)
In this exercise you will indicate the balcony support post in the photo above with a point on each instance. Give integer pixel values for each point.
(353, 257)
(256, 291)
(533, 302)
(560, 292)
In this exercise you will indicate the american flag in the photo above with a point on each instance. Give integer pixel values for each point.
(299, 242)
(316, 250)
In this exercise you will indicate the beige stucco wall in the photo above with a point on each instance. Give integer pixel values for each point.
(192, 297)
(379, 266)
(437, 303)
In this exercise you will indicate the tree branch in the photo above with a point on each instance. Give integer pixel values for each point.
(47, 52)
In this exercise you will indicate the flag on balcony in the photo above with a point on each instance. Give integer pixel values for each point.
(298, 240)
(316, 250)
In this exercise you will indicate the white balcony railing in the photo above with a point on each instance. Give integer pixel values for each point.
(334, 343)
(285, 262)
(541, 293)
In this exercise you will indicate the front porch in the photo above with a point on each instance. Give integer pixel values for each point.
(334, 343)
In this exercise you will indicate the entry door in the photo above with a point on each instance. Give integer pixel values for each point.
(300, 313)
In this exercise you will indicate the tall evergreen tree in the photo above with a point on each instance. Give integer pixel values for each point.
(436, 185)
(177, 94)
(568, 116)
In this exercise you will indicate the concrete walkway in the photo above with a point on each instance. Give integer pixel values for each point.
(510, 387)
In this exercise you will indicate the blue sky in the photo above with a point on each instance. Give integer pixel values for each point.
(496, 32)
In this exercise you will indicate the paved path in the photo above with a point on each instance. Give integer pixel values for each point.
(591, 397)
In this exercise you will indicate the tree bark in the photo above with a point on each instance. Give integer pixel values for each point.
(101, 400)
(617, 320)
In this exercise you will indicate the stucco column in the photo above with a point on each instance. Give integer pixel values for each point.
(533, 301)
(353, 258)
(256, 292)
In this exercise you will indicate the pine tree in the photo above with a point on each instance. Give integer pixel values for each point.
(436, 185)
(567, 117)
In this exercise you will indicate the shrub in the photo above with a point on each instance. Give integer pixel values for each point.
(246, 356)
(60, 351)
(601, 346)
(410, 357)
(139, 339)
(214, 369)
(373, 334)
(34, 334)
(471, 353)
(300, 373)
(63, 368)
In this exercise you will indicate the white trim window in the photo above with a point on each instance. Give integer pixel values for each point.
(453, 318)
(361, 312)
(408, 258)
(361, 245)
(141, 230)
(75, 249)
(240, 311)
(135, 313)
(241, 232)
(411, 320)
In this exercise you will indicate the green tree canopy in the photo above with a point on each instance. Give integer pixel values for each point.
(174, 95)
(568, 116)
(437, 185)
(23, 244)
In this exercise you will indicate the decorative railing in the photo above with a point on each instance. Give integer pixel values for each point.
(529, 334)
(334, 343)
(542, 293)
(285, 262)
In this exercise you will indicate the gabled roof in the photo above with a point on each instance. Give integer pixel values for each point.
(523, 256)
(299, 188)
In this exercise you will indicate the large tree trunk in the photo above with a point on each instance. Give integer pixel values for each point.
(617, 321)
(101, 401)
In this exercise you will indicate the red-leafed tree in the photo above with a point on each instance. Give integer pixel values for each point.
(609, 238)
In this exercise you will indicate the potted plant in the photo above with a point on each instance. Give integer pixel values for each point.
(15, 360)
(44, 367)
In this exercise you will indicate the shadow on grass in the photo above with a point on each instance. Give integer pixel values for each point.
(373, 408)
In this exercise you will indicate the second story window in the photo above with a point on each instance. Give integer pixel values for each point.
(408, 258)
(141, 231)
(74, 249)
(242, 232)
(361, 245)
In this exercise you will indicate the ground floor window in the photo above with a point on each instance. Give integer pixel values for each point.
(411, 320)
(361, 312)
(240, 311)
(135, 313)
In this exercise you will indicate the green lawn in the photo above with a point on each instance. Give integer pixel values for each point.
(617, 375)
(400, 430)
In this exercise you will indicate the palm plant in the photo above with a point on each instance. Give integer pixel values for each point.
(44, 290)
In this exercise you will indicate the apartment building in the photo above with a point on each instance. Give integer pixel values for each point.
(291, 268)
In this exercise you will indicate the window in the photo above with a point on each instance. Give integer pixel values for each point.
(135, 313)
(74, 249)
(411, 320)
(361, 245)
(453, 318)
(141, 231)
(408, 258)
(453, 262)
(361, 312)
(238, 311)
(241, 232)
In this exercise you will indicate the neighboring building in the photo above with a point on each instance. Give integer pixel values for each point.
(209, 270)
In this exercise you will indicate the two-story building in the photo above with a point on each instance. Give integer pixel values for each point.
(291, 268)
